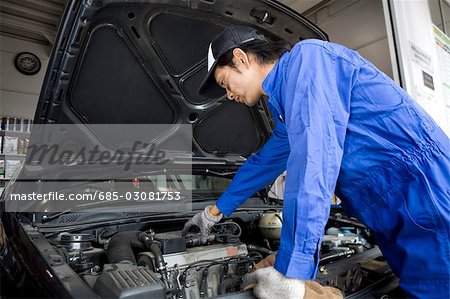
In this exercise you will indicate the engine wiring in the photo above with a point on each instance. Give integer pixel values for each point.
(224, 234)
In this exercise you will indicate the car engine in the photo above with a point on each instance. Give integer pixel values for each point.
(150, 264)
(135, 264)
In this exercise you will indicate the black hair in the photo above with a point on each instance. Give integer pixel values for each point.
(264, 52)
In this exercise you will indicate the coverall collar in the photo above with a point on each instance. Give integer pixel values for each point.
(272, 83)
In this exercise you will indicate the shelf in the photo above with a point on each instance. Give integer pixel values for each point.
(13, 155)
(14, 133)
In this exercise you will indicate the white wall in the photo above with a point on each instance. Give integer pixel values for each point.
(413, 26)
(19, 93)
(359, 25)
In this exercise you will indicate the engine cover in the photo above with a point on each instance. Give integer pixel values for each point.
(127, 281)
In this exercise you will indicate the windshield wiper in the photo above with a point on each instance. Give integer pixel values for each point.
(220, 173)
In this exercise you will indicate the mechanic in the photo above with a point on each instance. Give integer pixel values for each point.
(342, 126)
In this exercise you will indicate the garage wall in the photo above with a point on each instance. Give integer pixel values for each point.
(418, 55)
(357, 24)
(19, 93)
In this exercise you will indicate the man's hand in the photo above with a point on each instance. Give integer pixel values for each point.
(204, 220)
(312, 289)
(269, 283)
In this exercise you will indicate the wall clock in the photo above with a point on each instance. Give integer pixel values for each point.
(27, 63)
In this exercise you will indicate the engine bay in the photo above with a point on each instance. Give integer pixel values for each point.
(154, 261)
(162, 265)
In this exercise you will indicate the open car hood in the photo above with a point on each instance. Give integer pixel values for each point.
(141, 62)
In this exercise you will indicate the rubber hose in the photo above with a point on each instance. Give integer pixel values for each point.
(259, 249)
(332, 256)
(159, 260)
(120, 247)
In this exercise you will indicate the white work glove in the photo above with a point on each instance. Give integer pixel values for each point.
(204, 220)
(272, 284)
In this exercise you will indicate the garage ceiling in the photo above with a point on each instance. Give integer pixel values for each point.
(37, 20)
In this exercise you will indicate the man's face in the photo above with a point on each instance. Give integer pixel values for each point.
(242, 82)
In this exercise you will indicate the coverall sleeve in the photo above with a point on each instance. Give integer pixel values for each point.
(258, 171)
(317, 100)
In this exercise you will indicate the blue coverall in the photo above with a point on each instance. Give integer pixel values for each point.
(343, 126)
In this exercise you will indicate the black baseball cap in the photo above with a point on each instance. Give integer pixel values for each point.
(232, 37)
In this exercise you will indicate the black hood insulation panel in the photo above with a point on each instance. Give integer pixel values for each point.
(141, 62)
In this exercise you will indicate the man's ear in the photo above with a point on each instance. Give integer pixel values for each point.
(241, 57)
